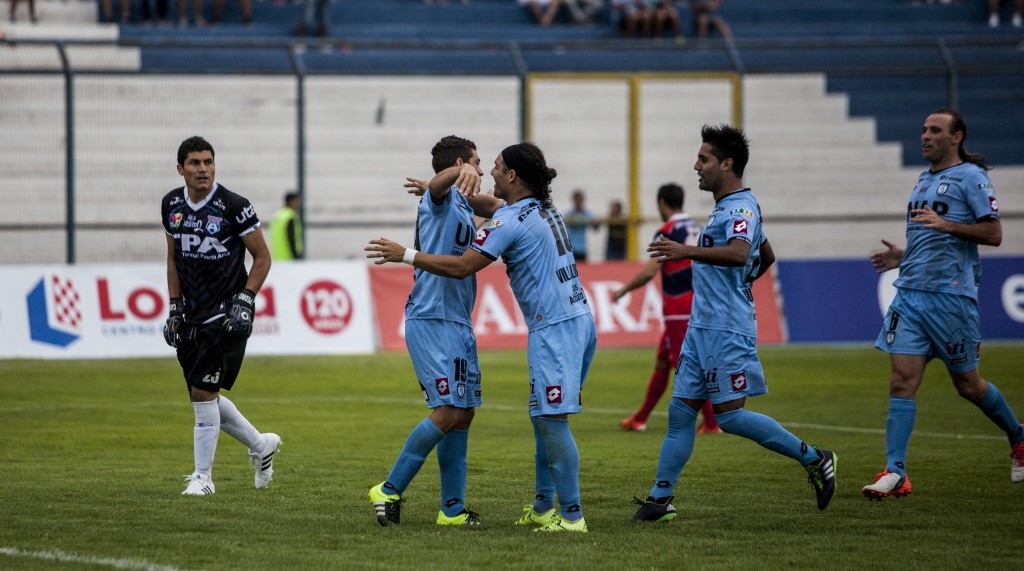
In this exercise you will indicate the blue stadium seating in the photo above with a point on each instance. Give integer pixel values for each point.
(883, 53)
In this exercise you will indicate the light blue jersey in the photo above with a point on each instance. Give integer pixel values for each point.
(940, 262)
(538, 260)
(721, 295)
(445, 229)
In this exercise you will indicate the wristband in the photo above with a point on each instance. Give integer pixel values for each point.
(409, 256)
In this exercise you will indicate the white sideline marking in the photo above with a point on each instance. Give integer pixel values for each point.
(64, 557)
(490, 406)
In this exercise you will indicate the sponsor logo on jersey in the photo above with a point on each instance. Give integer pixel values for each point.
(739, 226)
(247, 213)
(493, 224)
(554, 394)
(738, 381)
(942, 188)
(442, 386)
(213, 224)
(743, 212)
(993, 204)
(175, 219)
(956, 348)
(951, 177)
(481, 236)
(711, 220)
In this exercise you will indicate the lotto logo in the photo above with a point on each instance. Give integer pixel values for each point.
(481, 236)
(739, 381)
(739, 227)
(53, 312)
(554, 394)
(443, 388)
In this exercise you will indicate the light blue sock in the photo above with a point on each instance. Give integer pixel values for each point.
(898, 427)
(564, 459)
(995, 407)
(768, 433)
(675, 449)
(451, 458)
(545, 498)
(421, 441)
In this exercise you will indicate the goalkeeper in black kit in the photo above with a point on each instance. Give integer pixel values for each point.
(212, 299)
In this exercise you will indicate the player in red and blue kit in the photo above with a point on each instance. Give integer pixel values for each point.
(677, 297)
(951, 210)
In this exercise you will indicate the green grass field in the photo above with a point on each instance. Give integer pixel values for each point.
(94, 453)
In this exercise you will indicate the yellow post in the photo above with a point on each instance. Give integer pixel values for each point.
(634, 168)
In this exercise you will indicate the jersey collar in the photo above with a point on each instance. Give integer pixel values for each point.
(195, 206)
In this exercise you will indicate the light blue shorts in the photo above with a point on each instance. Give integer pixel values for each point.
(942, 325)
(719, 366)
(444, 357)
(559, 356)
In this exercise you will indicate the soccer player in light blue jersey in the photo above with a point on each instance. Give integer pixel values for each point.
(439, 335)
(951, 210)
(719, 360)
(530, 236)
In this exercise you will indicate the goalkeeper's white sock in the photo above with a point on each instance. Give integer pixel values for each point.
(239, 427)
(205, 435)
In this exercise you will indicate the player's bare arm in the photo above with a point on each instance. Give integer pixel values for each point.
(732, 254)
(257, 247)
(173, 285)
(464, 176)
(887, 259)
(646, 274)
(766, 257)
(382, 251)
(987, 231)
(485, 205)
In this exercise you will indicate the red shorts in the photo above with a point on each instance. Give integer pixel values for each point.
(672, 341)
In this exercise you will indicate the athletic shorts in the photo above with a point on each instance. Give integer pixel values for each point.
(671, 343)
(719, 366)
(559, 356)
(942, 325)
(444, 357)
(210, 358)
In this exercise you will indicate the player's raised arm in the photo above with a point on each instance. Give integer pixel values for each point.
(464, 176)
(382, 251)
(415, 186)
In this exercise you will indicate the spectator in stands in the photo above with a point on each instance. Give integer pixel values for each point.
(583, 11)
(316, 16)
(197, 9)
(543, 10)
(618, 228)
(662, 14)
(577, 219)
(993, 13)
(704, 17)
(31, 11)
(632, 16)
(108, 11)
(246, 5)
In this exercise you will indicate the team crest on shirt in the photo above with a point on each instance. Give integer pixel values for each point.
(443, 388)
(890, 337)
(481, 236)
(213, 224)
(739, 226)
(942, 188)
(554, 394)
(738, 381)
(175, 219)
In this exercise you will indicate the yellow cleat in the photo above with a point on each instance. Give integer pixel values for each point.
(388, 507)
(557, 523)
(531, 517)
(465, 517)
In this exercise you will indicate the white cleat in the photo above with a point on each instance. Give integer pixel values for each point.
(198, 485)
(263, 461)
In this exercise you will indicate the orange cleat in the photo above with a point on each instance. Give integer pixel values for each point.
(887, 485)
(633, 425)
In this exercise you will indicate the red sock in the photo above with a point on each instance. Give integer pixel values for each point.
(709, 416)
(655, 388)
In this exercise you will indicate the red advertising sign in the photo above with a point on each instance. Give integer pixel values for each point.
(634, 321)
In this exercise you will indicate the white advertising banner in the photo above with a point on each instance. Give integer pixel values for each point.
(105, 311)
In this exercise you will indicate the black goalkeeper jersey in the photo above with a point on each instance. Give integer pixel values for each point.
(208, 251)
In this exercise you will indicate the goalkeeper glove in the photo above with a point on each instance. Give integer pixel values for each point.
(239, 317)
(175, 323)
